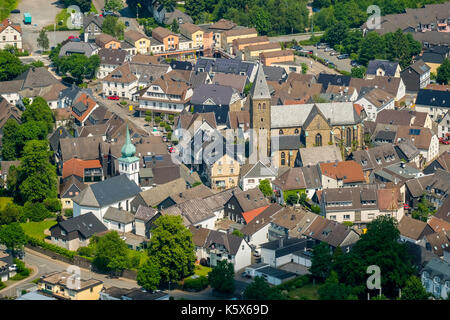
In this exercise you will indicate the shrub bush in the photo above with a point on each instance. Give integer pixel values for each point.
(2, 285)
(36, 211)
(123, 102)
(68, 213)
(86, 251)
(52, 205)
(197, 284)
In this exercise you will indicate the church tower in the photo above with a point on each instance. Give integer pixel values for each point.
(129, 163)
(260, 108)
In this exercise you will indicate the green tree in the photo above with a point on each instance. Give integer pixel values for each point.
(424, 209)
(321, 262)
(39, 111)
(175, 27)
(221, 278)
(292, 199)
(13, 237)
(333, 290)
(36, 175)
(111, 253)
(266, 187)
(148, 275)
(414, 290)
(171, 245)
(304, 68)
(10, 140)
(335, 34)
(42, 40)
(114, 5)
(259, 289)
(260, 19)
(238, 233)
(79, 66)
(358, 72)
(35, 211)
(10, 66)
(113, 26)
(443, 72)
(372, 47)
(11, 213)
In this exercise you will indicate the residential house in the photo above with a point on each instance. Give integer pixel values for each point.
(436, 278)
(212, 246)
(435, 187)
(437, 242)
(383, 68)
(433, 57)
(110, 59)
(416, 76)
(240, 44)
(119, 220)
(239, 123)
(58, 285)
(82, 108)
(341, 174)
(5, 166)
(216, 98)
(396, 173)
(166, 37)
(254, 174)
(165, 95)
(217, 29)
(361, 204)
(375, 158)
(235, 81)
(375, 101)
(144, 219)
(194, 33)
(443, 213)
(434, 102)
(106, 41)
(408, 152)
(166, 16)
(245, 206)
(139, 41)
(223, 65)
(404, 118)
(76, 232)
(10, 34)
(83, 170)
(256, 232)
(444, 126)
(423, 138)
(280, 56)
(441, 162)
(120, 82)
(253, 52)
(237, 33)
(282, 251)
(8, 111)
(272, 275)
(290, 182)
(290, 222)
(116, 192)
(92, 26)
(68, 189)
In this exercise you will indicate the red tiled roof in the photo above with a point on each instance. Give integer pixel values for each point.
(349, 171)
(5, 23)
(76, 167)
(86, 100)
(252, 214)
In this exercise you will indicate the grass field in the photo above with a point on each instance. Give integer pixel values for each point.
(4, 201)
(36, 229)
(201, 270)
(308, 291)
(6, 6)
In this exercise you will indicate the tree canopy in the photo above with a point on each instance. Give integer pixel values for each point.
(443, 72)
(10, 66)
(12, 236)
(221, 278)
(111, 253)
(414, 290)
(171, 245)
(114, 5)
(321, 262)
(266, 187)
(148, 275)
(260, 289)
(113, 26)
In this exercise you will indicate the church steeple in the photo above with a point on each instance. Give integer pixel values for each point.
(260, 89)
(129, 163)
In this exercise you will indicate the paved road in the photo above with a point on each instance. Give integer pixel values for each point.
(45, 265)
(315, 67)
(297, 37)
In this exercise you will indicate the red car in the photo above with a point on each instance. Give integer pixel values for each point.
(442, 140)
(171, 150)
(406, 206)
(113, 98)
(71, 37)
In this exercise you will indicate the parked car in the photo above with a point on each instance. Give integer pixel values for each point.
(15, 11)
(334, 53)
(171, 150)
(164, 138)
(12, 267)
(328, 49)
(113, 98)
(321, 45)
(354, 64)
(297, 48)
(444, 141)
(343, 56)
(127, 24)
(70, 37)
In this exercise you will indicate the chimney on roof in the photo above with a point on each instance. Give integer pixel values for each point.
(281, 242)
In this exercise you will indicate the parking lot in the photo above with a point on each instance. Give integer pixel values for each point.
(343, 64)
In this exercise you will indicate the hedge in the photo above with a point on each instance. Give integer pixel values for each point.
(294, 283)
(2, 285)
(197, 284)
(38, 243)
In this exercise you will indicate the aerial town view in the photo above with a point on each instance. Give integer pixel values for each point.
(225, 150)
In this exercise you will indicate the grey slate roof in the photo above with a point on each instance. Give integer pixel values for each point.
(291, 142)
(86, 224)
(259, 170)
(60, 133)
(93, 18)
(118, 215)
(313, 156)
(81, 47)
(276, 273)
(106, 192)
(260, 89)
(275, 73)
(145, 213)
(389, 67)
(36, 78)
(220, 95)
(439, 268)
(112, 56)
(289, 246)
(433, 98)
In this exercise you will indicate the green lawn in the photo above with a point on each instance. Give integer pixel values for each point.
(201, 270)
(36, 229)
(5, 200)
(308, 291)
